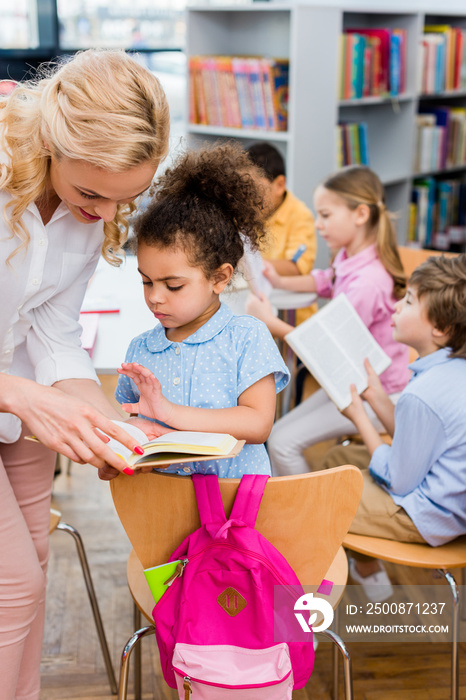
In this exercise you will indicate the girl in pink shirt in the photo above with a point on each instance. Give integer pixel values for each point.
(351, 218)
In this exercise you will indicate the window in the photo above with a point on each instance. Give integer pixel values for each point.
(18, 25)
(128, 24)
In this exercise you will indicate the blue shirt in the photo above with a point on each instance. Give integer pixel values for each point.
(210, 369)
(424, 469)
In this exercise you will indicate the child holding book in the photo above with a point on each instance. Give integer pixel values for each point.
(351, 218)
(291, 244)
(415, 489)
(214, 371)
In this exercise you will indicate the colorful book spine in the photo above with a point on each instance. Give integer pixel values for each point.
(245, 92)
(437, 217)
(444, 59)
(373, 62)
(352, 144)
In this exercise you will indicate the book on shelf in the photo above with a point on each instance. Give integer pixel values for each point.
(333, 345)
(248, 92)
(424, 196)
(373, 62)
(176, 447)
(442, 59)
(441, 138)
(437, 214)
(352, 144)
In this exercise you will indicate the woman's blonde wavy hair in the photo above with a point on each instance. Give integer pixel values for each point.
(102, 107)
(358, 184)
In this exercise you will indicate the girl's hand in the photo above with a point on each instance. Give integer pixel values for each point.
(271, 274)
(151, 429)
(356, 408)
(152, 402)
(260, 307)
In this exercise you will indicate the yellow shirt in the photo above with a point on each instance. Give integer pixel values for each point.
(291, 225)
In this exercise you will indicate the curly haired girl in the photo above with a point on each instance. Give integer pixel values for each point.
(215, 371)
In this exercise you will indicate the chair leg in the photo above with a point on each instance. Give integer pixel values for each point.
(137, 656)
(463, 594)
(124, 668)
(347, 671)
(455, 619)
(93, 601)
(335, 658)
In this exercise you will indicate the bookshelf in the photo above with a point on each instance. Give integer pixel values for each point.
(309, 36)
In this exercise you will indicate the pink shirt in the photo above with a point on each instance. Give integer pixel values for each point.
(369, 287)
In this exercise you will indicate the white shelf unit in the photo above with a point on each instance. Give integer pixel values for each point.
(308, 36)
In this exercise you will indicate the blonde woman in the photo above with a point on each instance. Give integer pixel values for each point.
(76, 148)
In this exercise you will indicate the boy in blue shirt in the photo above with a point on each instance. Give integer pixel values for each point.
(415, 488)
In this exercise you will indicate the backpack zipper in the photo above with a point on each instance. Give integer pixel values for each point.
(187, 680)
(178, 572)
(187, 687)
(182, 565)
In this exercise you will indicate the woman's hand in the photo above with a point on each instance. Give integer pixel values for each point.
(64, 423)
(152, 403)
(151, 429)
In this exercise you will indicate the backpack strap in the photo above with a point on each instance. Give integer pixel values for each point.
(209, 500)
(248, 498)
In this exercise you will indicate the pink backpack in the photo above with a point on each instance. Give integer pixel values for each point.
(215, 622)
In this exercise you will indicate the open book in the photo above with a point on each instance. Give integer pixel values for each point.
(173, 448)
(333, 345)
(176, 447)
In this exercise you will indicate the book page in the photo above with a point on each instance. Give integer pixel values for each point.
(186, 438)
(252, 267)
(328, 362)
(333, 345)
(349, 330)
(171, 445)
(139, 436)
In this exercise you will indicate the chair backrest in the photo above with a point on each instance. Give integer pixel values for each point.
(305, 516)
(413, 257)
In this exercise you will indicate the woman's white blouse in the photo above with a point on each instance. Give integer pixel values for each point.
(41, 293)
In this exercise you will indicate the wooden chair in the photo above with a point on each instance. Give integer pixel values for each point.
(448, 556)
(57, 524)
(305, 517)
(413, 257)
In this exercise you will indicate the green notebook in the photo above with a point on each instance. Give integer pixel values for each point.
(157, 576)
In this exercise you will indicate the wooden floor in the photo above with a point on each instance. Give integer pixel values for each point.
(72, 663)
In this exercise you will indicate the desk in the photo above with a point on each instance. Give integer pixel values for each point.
(121, 285)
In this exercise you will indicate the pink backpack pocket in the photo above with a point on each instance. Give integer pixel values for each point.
(223, 672)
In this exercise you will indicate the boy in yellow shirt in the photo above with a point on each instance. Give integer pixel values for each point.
(292, 243)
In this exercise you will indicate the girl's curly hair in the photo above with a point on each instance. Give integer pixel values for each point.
(209, 204)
